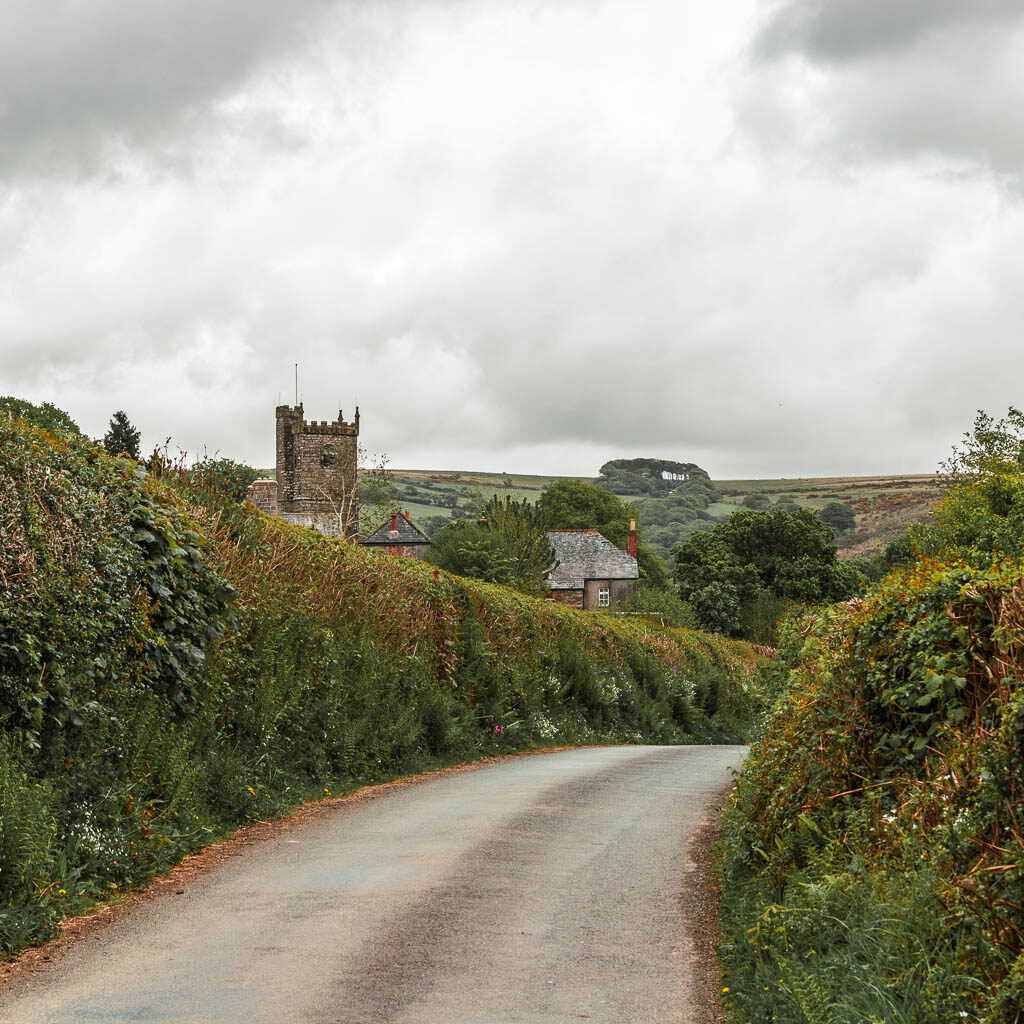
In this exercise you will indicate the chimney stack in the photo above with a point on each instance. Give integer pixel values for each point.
(407, 519)
(632, 537)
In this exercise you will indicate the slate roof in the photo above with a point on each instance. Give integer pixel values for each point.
(405, 533)
(586, 555)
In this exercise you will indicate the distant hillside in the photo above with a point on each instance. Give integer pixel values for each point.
(883, 505)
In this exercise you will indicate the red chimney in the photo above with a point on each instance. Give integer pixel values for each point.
(632, 537)
(394, 522)
(407, 519)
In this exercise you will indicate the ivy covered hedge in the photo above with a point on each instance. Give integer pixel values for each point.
(875, 849)
(173, 664)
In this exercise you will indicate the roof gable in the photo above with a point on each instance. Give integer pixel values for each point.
(586, 555)
(405, 532)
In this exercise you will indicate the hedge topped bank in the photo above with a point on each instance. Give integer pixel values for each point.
(173, 664)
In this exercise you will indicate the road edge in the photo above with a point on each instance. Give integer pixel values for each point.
(72, 930)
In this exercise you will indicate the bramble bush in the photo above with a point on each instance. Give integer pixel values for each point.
(174, 663)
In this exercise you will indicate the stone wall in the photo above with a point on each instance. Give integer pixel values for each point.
(263, 494)
(570, 598)
(317, 467)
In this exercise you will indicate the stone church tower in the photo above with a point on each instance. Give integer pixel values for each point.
(317, 483)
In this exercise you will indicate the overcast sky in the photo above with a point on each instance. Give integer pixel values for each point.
(774, 239)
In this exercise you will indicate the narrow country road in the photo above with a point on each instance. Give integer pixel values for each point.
(536, 889)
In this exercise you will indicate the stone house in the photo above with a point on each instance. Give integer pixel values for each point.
(592, 573)
(317, 483)
(400, 536)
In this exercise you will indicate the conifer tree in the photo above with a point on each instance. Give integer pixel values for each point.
(122, 438)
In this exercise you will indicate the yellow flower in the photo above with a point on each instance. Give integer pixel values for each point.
(251, 790)
(726, 989)
(62, 892)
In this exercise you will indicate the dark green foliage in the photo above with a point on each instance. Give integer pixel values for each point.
(668, 498)
(789, 556)
(121, 437)
(505, 545)
(572, 505)
(47, 416)
(468, 548)
(757, 500)
(223, 477)
(839, 516)
(647, 476)
(664, 606)
(898, 552)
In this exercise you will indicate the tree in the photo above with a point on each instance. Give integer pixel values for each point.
(839, 516)
(790, 556)
(574, 505)
(223, 476)
(518, 524)
(470, 549)
(505, 545)
(121, 438)
(757, 500)
(47, 416)
(992, 447)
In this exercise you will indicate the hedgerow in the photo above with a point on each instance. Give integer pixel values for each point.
(173, 664)
(874, 857)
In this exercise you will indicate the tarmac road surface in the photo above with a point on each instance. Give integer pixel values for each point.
(535, 889)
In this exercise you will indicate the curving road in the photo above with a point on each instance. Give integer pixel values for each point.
(537, 889)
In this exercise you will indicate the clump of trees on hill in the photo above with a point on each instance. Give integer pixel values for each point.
(670, 498)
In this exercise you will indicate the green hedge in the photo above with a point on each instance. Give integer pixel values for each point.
(874, 859)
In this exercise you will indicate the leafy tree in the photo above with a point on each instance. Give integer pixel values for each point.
(47, 416)
(992, 447)
(839, 516)
(648, 476)
(573, 505)
(789, 555)
(898, 552)
(224, 476)
(518, 524)
(981, 518)
(506, 545)
(470, 549)
(121, 438)
(757, 500)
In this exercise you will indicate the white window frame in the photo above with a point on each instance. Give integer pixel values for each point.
(604, 597)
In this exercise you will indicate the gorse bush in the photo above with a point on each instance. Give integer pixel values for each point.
(174, 663)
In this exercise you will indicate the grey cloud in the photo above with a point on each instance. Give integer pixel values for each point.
(839, 30)
(918, 80)
(85, 76)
